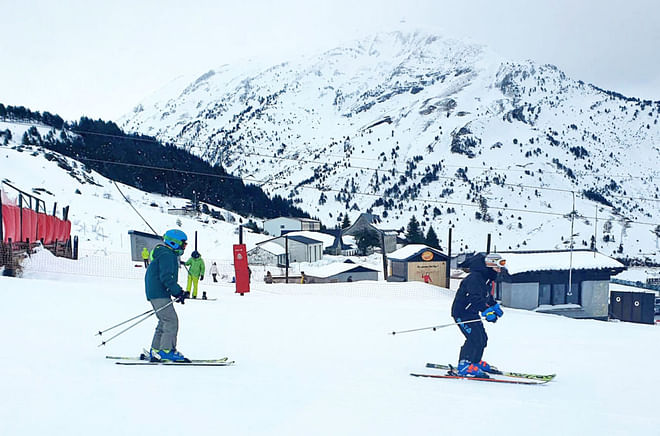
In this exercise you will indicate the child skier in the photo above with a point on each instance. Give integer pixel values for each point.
(474, 295)
(161, 284)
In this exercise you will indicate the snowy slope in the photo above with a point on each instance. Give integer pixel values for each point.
(411, 122)
(100, 216)
(311, 359)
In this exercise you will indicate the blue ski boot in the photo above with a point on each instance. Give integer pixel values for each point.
(469, 369)
(172, 356)
(485, 367)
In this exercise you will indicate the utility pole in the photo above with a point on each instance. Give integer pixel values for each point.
(382, 247)
(570, 262)
(286, 261)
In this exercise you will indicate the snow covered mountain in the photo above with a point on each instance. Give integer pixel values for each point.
(99, 214)
(412, 123)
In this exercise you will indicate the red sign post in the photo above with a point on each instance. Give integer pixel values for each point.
(241, 269)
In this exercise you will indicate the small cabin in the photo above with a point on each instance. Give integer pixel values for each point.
(418, 262)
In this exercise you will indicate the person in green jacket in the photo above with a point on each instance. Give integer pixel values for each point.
(145, 256)
(196, 270)
(160, 286)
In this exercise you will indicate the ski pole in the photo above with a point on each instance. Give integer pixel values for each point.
(152, 312)
(122, 323)
(435, 327)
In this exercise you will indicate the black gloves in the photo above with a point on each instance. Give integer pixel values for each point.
(201, 277)
(182, 298)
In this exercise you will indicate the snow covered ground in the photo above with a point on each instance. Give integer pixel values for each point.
(310, 360)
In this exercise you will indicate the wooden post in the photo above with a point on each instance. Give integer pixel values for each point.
(382, 245)
(2, 235)
(449, 261)
(20, 220)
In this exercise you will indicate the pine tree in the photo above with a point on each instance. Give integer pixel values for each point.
(432, 238)
(346, 223)
(365, 239)
(414, 234)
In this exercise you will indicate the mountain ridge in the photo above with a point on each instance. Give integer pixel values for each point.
(400, 124)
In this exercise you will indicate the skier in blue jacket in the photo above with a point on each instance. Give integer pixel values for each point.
(161, 284)
(474, 295)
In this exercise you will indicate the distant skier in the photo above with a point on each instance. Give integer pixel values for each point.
(474, 295)
(196, 270)
(161, 284)
(145, 256)
(214, 272)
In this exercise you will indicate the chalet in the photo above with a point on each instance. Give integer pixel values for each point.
(370, 222)
(572, 283)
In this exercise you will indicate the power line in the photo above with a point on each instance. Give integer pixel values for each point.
(359, 167)
(442, 202)
(202, 147)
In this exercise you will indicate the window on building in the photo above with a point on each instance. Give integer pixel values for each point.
(558, 293)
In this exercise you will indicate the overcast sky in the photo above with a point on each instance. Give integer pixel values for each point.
(100, 58)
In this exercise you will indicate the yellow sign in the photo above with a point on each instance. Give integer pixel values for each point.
(427, 255)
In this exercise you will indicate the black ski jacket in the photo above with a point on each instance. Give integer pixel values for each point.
(474, 293)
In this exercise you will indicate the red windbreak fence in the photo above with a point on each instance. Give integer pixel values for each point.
(42, 227)
(36, 226)
(29, 225)
(8, 223)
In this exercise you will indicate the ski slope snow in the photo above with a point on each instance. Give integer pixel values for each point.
(310, 360)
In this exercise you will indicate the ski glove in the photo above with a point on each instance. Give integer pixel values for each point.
(182, 298)
(492, 313)
(201, 277)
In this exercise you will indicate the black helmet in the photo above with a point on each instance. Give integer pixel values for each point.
(195, 254)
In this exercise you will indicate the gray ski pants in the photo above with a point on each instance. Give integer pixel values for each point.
(168, 325)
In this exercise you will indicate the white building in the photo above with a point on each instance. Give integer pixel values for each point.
(275, 226)
(301, 249)
(575, 284)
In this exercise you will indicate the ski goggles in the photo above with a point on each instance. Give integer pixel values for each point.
(495, 261)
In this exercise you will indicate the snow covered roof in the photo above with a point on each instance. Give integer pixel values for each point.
(326, 239)
(272, 247)
(336, 268)
(302, 239)
(409, 251)
(551, 261)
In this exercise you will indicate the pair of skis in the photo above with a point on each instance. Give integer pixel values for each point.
(143, 359)
(496, 376)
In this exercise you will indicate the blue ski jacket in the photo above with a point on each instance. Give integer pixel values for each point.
(162, 274)
(474, 294)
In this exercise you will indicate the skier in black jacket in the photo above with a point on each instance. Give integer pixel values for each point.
(474, 295)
